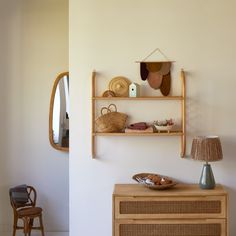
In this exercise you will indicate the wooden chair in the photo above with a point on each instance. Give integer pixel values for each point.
(23, 201)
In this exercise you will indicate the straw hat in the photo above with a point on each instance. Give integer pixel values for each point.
(120, 86)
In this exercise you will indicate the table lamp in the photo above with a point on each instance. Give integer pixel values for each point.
(206, 148)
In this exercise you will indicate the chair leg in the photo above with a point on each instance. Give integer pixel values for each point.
(31, 222)
(26, 225)
(14, 231)
(14, 226)
(41, 224)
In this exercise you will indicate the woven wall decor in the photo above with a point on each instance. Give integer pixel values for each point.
(157, 73)
(165, 85)
(154, 79)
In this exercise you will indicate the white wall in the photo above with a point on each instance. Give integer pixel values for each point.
(34, 50)
(108, 36)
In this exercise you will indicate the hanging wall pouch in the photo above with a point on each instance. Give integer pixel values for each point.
(157, 73)
(110, 120)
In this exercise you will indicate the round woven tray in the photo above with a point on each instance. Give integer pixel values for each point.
(120, 86)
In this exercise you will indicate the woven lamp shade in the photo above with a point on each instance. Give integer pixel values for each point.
(206, 148)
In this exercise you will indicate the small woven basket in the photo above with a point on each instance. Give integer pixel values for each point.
(111, 121)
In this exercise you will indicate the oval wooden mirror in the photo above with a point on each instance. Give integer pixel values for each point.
(59, 113)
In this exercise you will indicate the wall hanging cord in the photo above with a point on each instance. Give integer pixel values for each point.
(157, 49)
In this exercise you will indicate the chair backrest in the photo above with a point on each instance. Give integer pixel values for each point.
(22, 196)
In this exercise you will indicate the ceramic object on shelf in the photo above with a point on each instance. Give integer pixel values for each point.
(163, 125)
(134, 90)
(163, 128)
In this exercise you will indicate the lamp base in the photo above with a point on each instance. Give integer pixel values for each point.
(207, 180)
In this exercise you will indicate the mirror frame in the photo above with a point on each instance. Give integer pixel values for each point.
(64, 149)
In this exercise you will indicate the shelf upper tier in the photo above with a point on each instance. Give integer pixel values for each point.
(140, 98)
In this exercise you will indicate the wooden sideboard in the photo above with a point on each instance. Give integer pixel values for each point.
(184, 210)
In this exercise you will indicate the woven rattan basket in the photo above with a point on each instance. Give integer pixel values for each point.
(110, 120)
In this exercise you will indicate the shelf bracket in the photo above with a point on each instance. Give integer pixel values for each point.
(183, 114)
(93, 114)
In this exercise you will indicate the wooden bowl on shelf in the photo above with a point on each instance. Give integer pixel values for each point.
(148, 180)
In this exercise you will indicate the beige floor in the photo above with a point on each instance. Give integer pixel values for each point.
(38, 234)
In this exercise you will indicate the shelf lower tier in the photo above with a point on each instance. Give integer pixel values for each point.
(172, 133)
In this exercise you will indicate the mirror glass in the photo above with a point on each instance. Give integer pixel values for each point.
(60, 113)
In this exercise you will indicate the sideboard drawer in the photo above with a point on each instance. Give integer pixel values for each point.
(185, 210)
(209, 227)
(171, 207)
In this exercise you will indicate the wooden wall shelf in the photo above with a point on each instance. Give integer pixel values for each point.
(182, 99)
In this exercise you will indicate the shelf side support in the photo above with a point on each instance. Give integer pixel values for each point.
(93, 114)
(183, 113)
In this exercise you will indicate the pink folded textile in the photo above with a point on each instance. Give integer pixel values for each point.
(148, 130)
(138, 126)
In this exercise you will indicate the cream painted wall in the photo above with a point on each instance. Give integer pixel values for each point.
(108, 36)
(34, 49)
